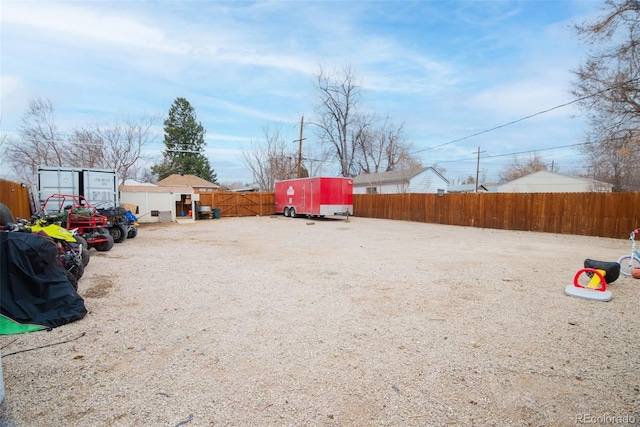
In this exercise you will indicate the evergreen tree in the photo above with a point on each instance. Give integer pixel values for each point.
(184, 142)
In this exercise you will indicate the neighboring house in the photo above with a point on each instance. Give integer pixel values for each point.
(171, 199)
(130, 181)
(198, 184)
(425, 180)
(467, 188)
(160, 203)
(552, 182)
(247, 189)
(156, 203)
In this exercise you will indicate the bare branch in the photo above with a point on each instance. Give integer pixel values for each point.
(270, 160)
(608, 84)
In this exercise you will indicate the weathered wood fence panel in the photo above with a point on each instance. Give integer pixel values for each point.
(16, 197)
(233, 203)
(591, 214)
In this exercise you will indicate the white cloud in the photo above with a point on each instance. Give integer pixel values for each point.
(84, 24)
(521, 98)
(12, 92)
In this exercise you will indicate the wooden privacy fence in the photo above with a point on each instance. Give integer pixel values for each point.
(16, 197)
(591, 214)
(239, 204)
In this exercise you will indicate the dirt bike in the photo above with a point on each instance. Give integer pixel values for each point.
(61, 234)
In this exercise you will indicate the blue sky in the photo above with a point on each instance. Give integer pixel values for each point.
(443, 69)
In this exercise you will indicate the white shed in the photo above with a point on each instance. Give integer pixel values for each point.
(425, 180)
(161, 203)
(552, 182)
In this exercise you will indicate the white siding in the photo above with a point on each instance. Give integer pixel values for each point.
(148, 201)
(381, 189)
(549, 182)
(427, 182)
(359, 190)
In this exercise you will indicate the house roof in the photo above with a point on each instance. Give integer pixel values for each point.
(245, 189)
(467, 188)
(182, 189)
(528, 178)
(130, 181)
(392, 177)
(186, 180)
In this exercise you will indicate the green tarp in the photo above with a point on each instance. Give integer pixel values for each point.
(10, 327)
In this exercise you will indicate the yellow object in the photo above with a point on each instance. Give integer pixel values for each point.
(595, 279)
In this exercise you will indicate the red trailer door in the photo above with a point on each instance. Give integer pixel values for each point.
(308, 197)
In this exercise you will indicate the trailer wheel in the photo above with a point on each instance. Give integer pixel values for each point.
(285, 212)
(292, 212)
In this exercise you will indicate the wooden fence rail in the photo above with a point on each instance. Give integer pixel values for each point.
(591, 214)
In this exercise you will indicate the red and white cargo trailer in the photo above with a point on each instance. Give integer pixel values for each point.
(316, 196)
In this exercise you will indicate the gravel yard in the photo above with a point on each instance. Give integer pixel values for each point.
(273, 321)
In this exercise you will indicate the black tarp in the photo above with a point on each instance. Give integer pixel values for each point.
(35, 289)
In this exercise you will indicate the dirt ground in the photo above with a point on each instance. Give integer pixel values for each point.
(275, 321)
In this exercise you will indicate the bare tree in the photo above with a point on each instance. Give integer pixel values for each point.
(614, 161)
(123, 144)
(3, 138)
(144, 174)
(39, 142)
(608, 84)
(359, 141)
(521, 167)
(397, 150)
(87, 149)
(270, 160)
(118, 147)
(337, 116)
(383, 149)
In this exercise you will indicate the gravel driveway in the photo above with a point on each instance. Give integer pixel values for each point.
(275, 321)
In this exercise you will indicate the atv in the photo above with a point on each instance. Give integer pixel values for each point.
(118, 225)
(75, 213)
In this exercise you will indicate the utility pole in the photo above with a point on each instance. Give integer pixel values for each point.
(478, 168)
(300, 146)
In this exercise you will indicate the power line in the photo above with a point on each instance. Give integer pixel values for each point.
(516, 153)
(535, 151)
(527, 117)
